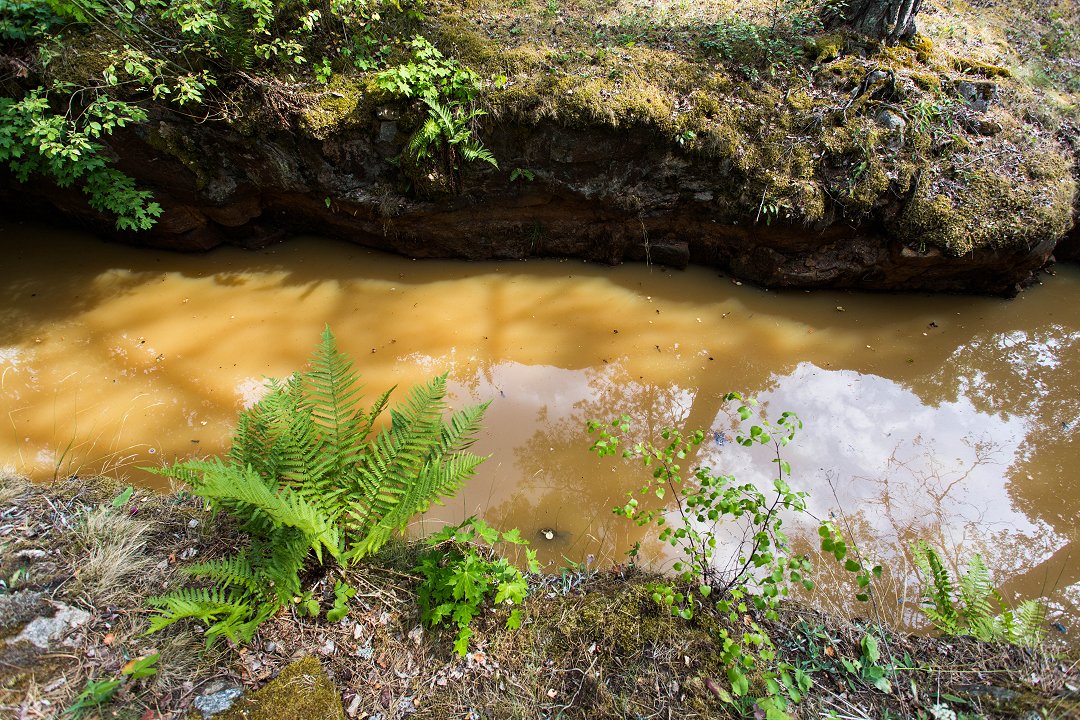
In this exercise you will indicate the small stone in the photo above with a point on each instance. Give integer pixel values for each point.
(218, 702)
(890, 120)
(193, 523)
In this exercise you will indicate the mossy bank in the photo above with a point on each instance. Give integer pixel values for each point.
(756, 143)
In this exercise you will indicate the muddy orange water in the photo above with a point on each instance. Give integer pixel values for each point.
(950, 419)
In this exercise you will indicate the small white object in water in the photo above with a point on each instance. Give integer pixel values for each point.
(548, 533)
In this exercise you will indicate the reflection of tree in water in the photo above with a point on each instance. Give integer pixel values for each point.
(917, 497)
(1034, 374)
(567, 489)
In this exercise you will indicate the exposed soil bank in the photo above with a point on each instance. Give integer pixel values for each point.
(787, 159)
(600, 194)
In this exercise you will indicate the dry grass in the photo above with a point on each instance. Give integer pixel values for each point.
(113, 561)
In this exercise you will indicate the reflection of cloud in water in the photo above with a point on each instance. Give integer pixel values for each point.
(251, 390)
(861, 429)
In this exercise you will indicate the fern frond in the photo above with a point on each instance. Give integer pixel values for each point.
(203, 604)
(334, 390)
(1030, 623)
(421, 141)
(443, 117)
(975, 592)
(475, 151)
(938, 597)
(227, 572)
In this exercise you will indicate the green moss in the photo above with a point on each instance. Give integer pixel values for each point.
(971, 66)
(171, 140)
(923, 47)
(458, 40)
(848, 70)
(341, 104)
(990, 208)
(926, 81)
(900, 57)
(825, 48)
(302, 691)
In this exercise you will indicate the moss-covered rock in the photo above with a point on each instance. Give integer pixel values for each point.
(303, 691)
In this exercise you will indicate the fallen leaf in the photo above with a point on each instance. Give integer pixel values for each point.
(109, 638)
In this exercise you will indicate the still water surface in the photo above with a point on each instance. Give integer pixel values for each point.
(951, 419)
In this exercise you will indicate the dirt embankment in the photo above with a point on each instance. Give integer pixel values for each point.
(837, 162)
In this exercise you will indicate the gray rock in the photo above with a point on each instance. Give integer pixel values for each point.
(387, 131)
(890, 120)
(217, 702)
(44, 630)
(978, 95)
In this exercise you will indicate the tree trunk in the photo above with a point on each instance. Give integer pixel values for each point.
(888, 20)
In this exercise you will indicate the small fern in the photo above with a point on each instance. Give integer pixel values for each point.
(309, 484)
(968, 607)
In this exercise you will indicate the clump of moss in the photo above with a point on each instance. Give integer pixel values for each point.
(992, 209)
(971, 66)
(342, 104)
(825, 48)
(303, 691)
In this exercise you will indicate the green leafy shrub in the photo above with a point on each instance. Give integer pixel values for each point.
(972, 605)
(447, 90)
(462, 571)
(35, 140)
(26, 19)
(309, 478)
(762, 570)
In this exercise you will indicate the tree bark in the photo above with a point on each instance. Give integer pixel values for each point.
(888, 20)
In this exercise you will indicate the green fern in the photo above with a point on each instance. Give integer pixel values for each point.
(309, 484)
(973, 606)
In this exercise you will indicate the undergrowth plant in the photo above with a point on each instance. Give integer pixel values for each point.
(971, 605)
(311, 480)
(447, 90)
(462, 571)
(66, 146)
(176, 53)
(762, 570)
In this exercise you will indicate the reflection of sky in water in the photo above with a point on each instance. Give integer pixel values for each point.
(867, 434)
(872, 449)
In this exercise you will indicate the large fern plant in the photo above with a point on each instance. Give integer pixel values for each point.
(972, 605)
(312, 479)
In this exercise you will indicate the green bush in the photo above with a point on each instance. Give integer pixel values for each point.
(761, 572)
(309, 479)
(462, 571)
